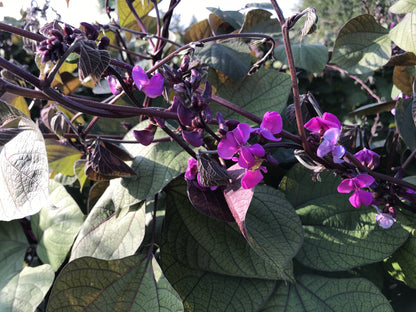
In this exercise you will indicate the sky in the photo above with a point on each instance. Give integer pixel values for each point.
(83, 10)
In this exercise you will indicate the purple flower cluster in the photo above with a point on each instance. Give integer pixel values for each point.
(356, 184)
(250, 157)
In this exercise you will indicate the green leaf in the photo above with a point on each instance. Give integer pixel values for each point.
(204, 243)
(234, 18)
(231, 58)
(404, 33)
(312, 57)
(403, 6)
(317, 293)
(23, 169)
(405, 123)
(135, 283)
(266, 90)
(372, 109)
(259, 21)
(207, 291)
(197, 32)
(362, 46)
(62, 156)
(26, 290)
(56, 225)
(79, 170)
(106, 235)
(155, 166)
(337, 236)
(402, 265)
(13, 245)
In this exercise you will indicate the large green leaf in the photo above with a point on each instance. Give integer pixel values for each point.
(362, 45)
(312, 57)
(135, 283)
(106, 235)
(204, 243)
(56, 225)
(337, 235)
(155, 166)
(26, 290)
(405, 122)
(234, 18)
(403, 6)
(404, 33)
(13, 245)
(207, 291)
(317, 293)
(266, 90)
(231, 58)
(23, 168)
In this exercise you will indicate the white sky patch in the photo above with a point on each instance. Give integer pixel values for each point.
(89, 11)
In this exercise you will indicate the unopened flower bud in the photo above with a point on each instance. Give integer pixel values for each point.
(195, 79)
(194, 138)
(145, 136)
(185, 63)
(90, 31)
(103, 43)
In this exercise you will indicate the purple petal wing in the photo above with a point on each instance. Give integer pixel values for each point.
(324, 148)
(242, 133)
(139, 77)
(331, 121)
(364, 180)
(346, 186)
(272, 122)
(155, 86)
(227, 146)
(366, 198)
(251, 179)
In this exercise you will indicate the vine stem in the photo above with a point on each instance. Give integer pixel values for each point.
(292, 70)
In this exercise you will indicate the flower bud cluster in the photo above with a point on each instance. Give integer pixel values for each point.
(59, 39)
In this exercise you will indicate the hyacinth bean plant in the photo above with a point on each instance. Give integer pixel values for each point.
(213, 169)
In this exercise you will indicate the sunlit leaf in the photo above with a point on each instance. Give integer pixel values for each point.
(135, 283)
(234, 18)
(56, 226)
(404, 33)
(62, 156)
(106, 235)
(362, 45)
(92, 62)
(337, 235)
(79, 170)
(26, 290)
(403, 80)
(318, 293)
(23, 169)
(403, 6)
(20, 103)
(197, 31)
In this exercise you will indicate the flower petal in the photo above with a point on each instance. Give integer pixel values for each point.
(355, 200)
(194, 138)
(113, 83)
(346, 186)
(228, 146)
(338, 151)
(191, 170)
(246, 159)
(366, 198)
(268, 135)
(242, 133)
(272, 122)
(155, 86)
(331, 121)
(251, 179)
(364, 180)
(324, 148)
(139, 77)
(256, 150)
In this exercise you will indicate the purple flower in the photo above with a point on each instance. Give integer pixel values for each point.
(270, 125)
(384, 220)
(192, 170)
(235, 141)
(252, 177)
(152, 87)
(329, 144)
(356, 184)
(322, 124)
(114, 85)
(195, 138)
(145, 136)
(368, 158)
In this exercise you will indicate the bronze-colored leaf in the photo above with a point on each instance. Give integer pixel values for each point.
(211, 173)
(92, 62)
(403, 80)
(103, 165)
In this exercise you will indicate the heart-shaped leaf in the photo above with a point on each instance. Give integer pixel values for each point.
(92, 62)
(135, 283)
(106, 235)
(210, 240)
(155, 166)
(56, 225)
(231, 58)
(13, 245)
(318, 293)
(26, 290)
(337, 235)
(23, 169)
(207, 291)
(362, 45)
(266, 90)
(403, 6)
(62, 156)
